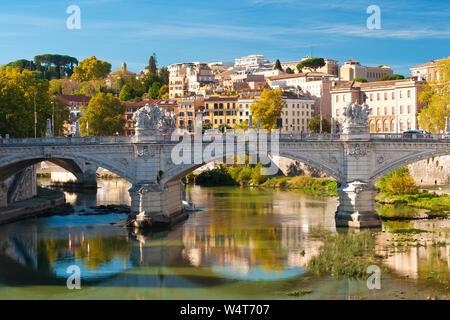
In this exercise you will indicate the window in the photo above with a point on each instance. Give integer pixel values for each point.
(393, 111)
(401, 109)
(378, 96)
(385, 111)
(337, 98)
(393, 96)
(409, 109)
(371, 97)
(385, 96)
(408, 94)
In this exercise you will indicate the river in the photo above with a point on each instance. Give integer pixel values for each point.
(243, 244)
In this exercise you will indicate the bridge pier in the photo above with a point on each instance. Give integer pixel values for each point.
(357, 206)
(156, 204)
(89, 179)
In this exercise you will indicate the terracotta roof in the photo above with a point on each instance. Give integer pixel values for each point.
(216, 98)
(69, 99)
(301, 75)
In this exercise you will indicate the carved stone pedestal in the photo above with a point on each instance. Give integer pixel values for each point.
(357, 206)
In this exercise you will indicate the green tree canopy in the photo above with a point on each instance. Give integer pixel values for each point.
(153, 92)
(18, 92)
(277, 65)
(436, 97)
(314, 124)
(152, 63)
(311, 63)
(358, 79)
(104, 114)
(393, 77)
(91, 69)
(268, 107)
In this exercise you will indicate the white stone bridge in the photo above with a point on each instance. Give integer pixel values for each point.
(355, 160)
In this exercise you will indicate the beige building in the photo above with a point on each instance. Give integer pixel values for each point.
(188, 108)
(295, 117)
(330, 67)
(313, 85)
(426, 71)
(191, 78)
(353, 69)
(394, 103)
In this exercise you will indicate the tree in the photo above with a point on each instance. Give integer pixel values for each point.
(163, 92)
(104, 114)
(125, 93)
(393, 77)
(289, 70)
(164, 75)
(277, 65)
(311, 63)
(153, 92)
(56, 63)
(18, 92)
(358, 79)
(152, 63)
(91, 69)
(242, 125)
(314, 124)
(268, 107)
(436, 97)
(206, 126)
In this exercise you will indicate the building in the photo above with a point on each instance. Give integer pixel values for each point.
(353, 69)
(426, 71)
(74, 104)
(330, 67)
(188, 108)
(241, 80)
(254, 61)
(132, 107)
(297, 112)
(221, 111)
(395, 104)
(190, 78)
(313, 85)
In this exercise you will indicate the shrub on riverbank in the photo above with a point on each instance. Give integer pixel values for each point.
(305, 183)
(398, 182)
(439, 205)
(215, 177)
(345, 255)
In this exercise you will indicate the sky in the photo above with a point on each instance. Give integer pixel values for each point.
(412, 32)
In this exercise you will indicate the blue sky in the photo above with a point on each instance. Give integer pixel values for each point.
(412, 32)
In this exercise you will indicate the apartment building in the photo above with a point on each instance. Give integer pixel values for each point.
(73, 103)
(353, 69)
(395, 104)
(426, 71)
(313, 85)
(220, 110)
(190, 78)
(132, 107)
(188, 108)
(252, 61)
(297, 112)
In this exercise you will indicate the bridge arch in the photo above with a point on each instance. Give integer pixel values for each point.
(409, 159)
(181, 170)
(15, 164)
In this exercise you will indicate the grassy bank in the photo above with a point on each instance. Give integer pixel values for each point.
(345, 256)
(305, 183)
(437, 205)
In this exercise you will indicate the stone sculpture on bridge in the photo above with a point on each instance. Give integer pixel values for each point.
(151, 120)
(356, 120)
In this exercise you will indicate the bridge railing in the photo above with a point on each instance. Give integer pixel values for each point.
(65, 140)
(408, 137)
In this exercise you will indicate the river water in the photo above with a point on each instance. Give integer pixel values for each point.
(243, 244)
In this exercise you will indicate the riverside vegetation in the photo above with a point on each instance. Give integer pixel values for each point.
(395, 189)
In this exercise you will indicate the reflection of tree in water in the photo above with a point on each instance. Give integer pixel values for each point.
(92, 252)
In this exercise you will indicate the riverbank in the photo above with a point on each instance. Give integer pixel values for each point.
(38, 206)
